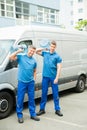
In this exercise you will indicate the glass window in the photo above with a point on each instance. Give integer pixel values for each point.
(71, 2)
(40, 14)
(18, 4)
(52, 11)
(2, 13)
(2, 6)
(80, 0)
(9, 14)
(2, 1)
(80, 10)
(52, 21)
(46, 10)
(71, 12)
(18, 16)
(80, 19)
(71, 22)
(26, 42)
(40, 9)
(26, 17)
(52, 16)
(9, 8)
(25, 11)
(22, 10)
(25, 5)
(40, 19)
(47, 15)
(18, 9)
(9, 1)
(5, 46)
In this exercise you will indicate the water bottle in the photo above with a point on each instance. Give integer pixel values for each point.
(45, 43)
(16, 47)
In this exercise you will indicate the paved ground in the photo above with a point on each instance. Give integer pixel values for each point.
(74, 108)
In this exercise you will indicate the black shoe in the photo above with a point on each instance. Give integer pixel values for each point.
(35, 118)
(20, 120)
(58, 112)
(40, 112)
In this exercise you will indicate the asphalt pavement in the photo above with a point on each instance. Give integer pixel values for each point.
(73, 107)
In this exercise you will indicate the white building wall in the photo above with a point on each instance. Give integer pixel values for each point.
(76, 9)
(77, 6)
(85, 9)
(65, 17)
(68, 19)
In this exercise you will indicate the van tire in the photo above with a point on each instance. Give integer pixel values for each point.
(6, 104)
(80, 87)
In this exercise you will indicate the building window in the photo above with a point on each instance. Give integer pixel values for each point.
(80, 19)
(22, 10)
(40, 14)
(7, 8)
(71, 22)
(80, 10)
(9, 1)
(52, 16)
(71, 2)
(80, 1)
(71, 13)
(46, 15)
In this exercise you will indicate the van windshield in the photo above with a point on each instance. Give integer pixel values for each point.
(5, 46)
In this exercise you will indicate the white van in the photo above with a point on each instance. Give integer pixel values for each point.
(71, 46)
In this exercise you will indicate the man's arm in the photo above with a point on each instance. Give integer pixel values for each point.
(35, 74)
(39, 51)
(13, 56)
(59, 66)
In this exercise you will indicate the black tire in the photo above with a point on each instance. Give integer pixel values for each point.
(6, 104)
(80, 87)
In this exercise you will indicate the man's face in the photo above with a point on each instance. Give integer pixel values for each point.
(52, 48)
(31, 51)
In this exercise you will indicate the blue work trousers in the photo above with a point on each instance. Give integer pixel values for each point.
(22, 89)
(45, 84)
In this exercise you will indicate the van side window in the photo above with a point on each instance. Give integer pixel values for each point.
(26, 42)
(13, 64)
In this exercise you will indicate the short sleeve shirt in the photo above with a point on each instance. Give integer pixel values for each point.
(50, 62)
(26, 66)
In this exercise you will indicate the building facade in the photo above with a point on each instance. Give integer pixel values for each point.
(24, 12)
(66, 13)
(79, 10)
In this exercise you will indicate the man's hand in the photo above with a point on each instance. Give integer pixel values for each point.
(55, 80)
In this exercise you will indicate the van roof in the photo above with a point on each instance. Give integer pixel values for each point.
(14, 32)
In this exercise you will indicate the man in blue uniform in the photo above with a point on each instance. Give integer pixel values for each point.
(51, 72)
(26, 76)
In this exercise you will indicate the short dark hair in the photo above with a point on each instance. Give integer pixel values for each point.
(33, 47)
(53, 42)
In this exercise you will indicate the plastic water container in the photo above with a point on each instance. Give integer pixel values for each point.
(45, 43)
(16, 47)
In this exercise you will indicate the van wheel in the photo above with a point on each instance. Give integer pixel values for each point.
(6, 104)
(80, 87)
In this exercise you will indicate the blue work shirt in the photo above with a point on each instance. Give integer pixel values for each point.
(26, 66)
(50, 62)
